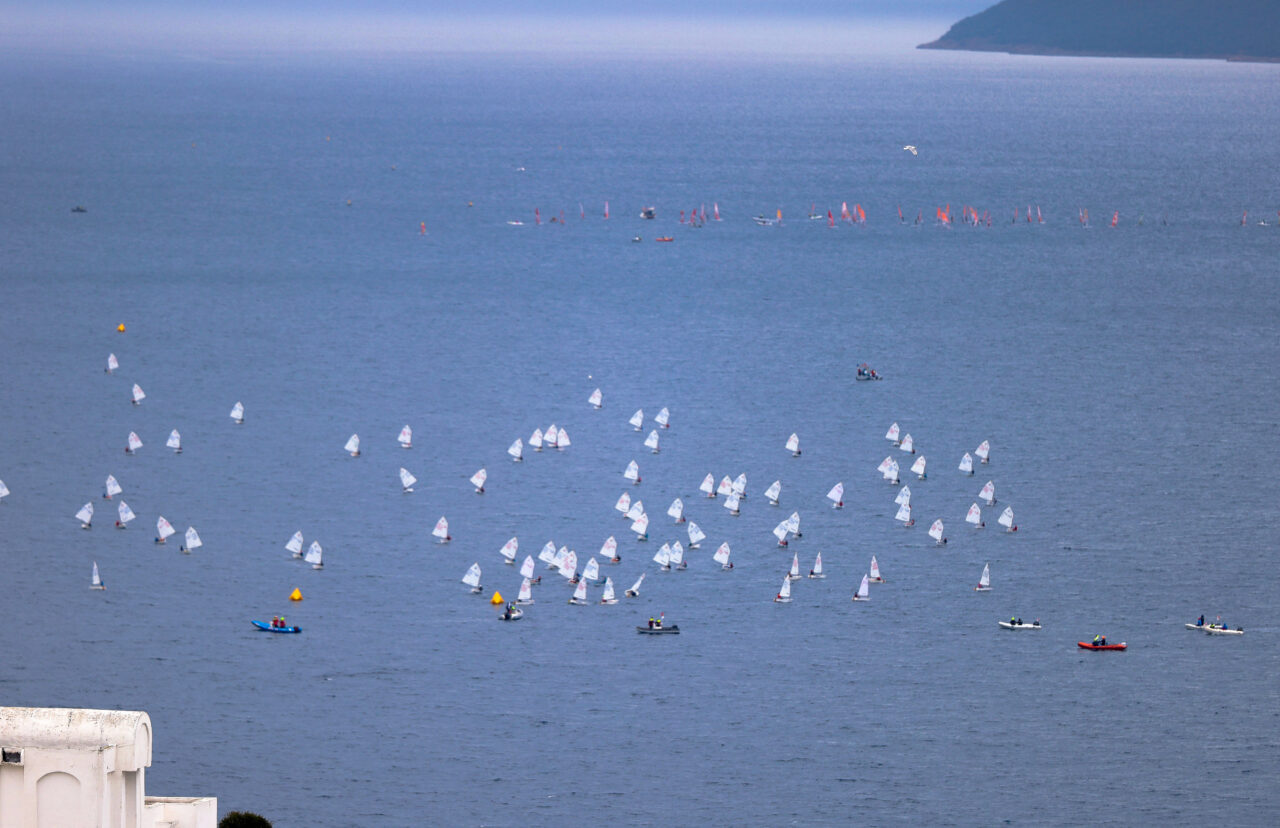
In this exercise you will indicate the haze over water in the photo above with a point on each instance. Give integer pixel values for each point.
(1125, 378)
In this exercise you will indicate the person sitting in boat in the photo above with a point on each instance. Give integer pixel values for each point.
(275, 621)
(1200, 621)
(1099, 641)
(810, 573)
(650, 622)
(658, 624)
(616, 559)
(730, 565)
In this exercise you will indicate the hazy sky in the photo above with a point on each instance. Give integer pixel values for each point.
(775, 26)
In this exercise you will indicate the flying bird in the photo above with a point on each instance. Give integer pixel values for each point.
(911, 149)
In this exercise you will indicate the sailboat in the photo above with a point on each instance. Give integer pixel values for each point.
(548, 555)
(733, 503)
(784, 594)
(663, 418)
(793, 574)
(237, 413)
(478, 479)
(472, 579)
(836, 496)
(609, 550)
(174, 442)
(295, 544)
(983, 451)
(892, 434)
(917, 468)
(591, 572)
(315, 555)
(596, 399)
(569, 565)
(508, 551)
(663, 557)
(708, 486)
(721, 557)
(526, 568)
(780, 532)
(163, 529)
(793, 525)
(676, 510)
(525, 596)
(624, 504)
(442, 530)
(516, 450)
(112, 363)
(1006, 520)
(988, 493)
(353, 445)
(637, 419)
(138, 395)
(641, 527)
(875, 572)
(112, 488)
(816, 572)
(535, 439)
(908, 445)
(135, 443)
(726, 486)
(407, 480)
(793, 445)
(966, 463)
(892, 474)
(696, 535)
(772, 493)
(193, 541)
(984, 583)
(549, 436)
(607, 596)
(903, 496)
(636, 510)
(635, 588)
(975, 517)
(904, 515)
(935, 532)
(562, 440)
(96, 581)
(85, 516)
(406, 438)
(651, 442)
(632, 473)
(126, 515)
(740, 486)
(677, 556)
(864, 590)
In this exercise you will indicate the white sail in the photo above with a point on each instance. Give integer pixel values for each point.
(903, 496)
(535, 439)
(591, 572)
(904, 513)
(966, 463)
(516, 449)
(175, 441)
(773, 492)
(4, 490)
(663, 556)
(663, 418)
(892, 474)
(562, 562)
(607, 596)
(596, 399)
(442, 529)
(113, 487)
(892, 433)
(134, 442)
(406, 479)
(96, 581)
(237, 413)
(864, 590)
(875, 570)
(983, 451)
(632, 472)
(526, 568)
(793, 524)
(676, 510)
(295, 544)
(112, 363)
(794, 572)
(974, 516)
(624, 504)
(677, 553)
(784, 594)
(725, 487)
(637, 419)
(708, 486)
(526, 592)
(984, 583)
(548, 554)
(651, 442)
(641, 525)
(793, 445)
(917, 468)
(988, 492)
(836, 495)
(733, 503)
(635, 588)
(609, 549)
(138, 395)
(817, 567)
(126, 514)
(509, 550)
(780, 532)
(935, 531)
(472, 578)
(740, 486)
(193, 539)
(907, 444)
(478, 479)
(1006, 517)
(164, 528)
(353, 445)
(636, 510)
(580, 593)
(721, 555)
(549, 436)
(315, 555)
(696, 535)
(85, 515)
(885, 465)
(562, 439)
(406, 437)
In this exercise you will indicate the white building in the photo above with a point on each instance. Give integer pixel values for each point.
(69, 768)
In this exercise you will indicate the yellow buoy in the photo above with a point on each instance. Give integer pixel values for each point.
(497, 598)
(296, 595)
(120, 327)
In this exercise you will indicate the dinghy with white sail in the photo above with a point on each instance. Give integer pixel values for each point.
(904, 515)
(609, 550)
(516, 450)
(193, 541)
(780, 532)
(112, 488)
(636, 510)
(935, 532)
(726, 486)
(988, 493)
(562, 440)
(641, 527)
(525, 597)
(637, 419)
(164, 529)
(793, 445)
(237, 413)
(903, 495)
(908, 445)
(740, 486)
(733, 504)
(632, 473)
(1006, 520)
(406, 437)
(315, 555)
(138, 395)
(174, 442)
(875, 576)
(353, 445)
(112, 363)
(407, 480)
(663, 557)
(95, 581)
(966, 463)
(295, 544)
(892, 434)
(663, 418)
(784, 594)
(721, 556)
(535, 439)
(793, 525)
(983, 451)
(677, 556)
(478, 480)
(526, 568)
(676, 510)
(917, 468)
(817, 572)
(696, 535)
(549, 436)
(793, 573)
(624, 504)
(596, 399)
(85, 516)
(651, 442)
(974, 516)
(442, 530)
(836, 496)
(773, 492)
(548, 555)
(472, 579)
(591, 572)
(125, 515)
(508, 551)
(635, 588)
(135, 443)
(984, 583)
(864, 590)
(708, 486)
(607, 596)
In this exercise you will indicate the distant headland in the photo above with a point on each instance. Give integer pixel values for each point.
(1246, 30)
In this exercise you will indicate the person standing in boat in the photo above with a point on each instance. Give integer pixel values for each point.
(1200, 620)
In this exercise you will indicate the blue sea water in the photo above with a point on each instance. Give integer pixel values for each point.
(255, 222)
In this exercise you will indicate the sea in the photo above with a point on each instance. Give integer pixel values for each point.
(328, 239)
